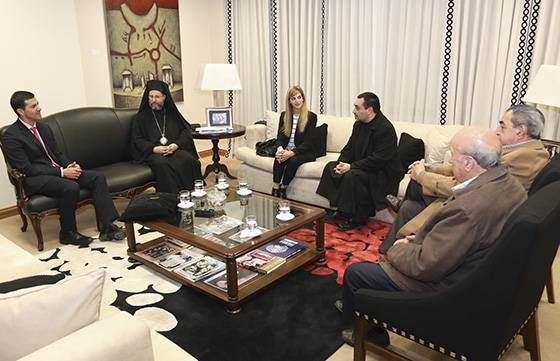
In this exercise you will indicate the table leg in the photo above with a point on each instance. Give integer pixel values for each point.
(216, 167)
(320, 237)
(233, 289)
(130, 236)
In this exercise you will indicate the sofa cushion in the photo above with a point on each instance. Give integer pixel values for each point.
(34, 317)
(272, 120)
(340, 129)
(31, 281)
(125, 175)
(320, 140)
(410, 149)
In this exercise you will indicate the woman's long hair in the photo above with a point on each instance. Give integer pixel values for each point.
(302, 122)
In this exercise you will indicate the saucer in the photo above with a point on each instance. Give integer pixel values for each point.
(224, 187)
(185, 205)
(198, 194)
(287, 217)
(246, 193)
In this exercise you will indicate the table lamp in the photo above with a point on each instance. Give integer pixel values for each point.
(220, 78)
(544, 89)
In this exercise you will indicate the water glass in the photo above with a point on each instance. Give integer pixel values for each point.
(283, 208)
(222, 181)
(184, 197)
(187, 215)
(251, 222)
(198, 186)
(243, 185)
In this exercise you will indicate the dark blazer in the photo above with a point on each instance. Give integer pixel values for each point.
(303, 141)
(26, 154)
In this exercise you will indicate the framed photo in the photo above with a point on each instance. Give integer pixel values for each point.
(552, 146)
(219, 117)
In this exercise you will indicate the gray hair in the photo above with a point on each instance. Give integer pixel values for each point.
(531, 117)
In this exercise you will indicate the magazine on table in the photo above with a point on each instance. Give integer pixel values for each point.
(260, 261)
(219, 225)
(160, 250)
(179, 258)
(220, 280)
(200, 268)
(283, 247)
(243, 236)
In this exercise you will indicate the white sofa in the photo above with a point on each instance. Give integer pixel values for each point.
(113, 335)
(258, 170)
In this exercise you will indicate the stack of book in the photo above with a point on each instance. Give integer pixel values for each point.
(270, 256)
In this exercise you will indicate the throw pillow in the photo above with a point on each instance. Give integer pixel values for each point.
(410, 149)
(27, 282)
(150, 206)
(320, 140)
(32, 318)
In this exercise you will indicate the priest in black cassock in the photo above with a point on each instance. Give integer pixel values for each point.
(367, 169)
(162, 138)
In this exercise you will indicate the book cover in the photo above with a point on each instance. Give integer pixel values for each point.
(220, 280)
(200, 268)
(260, 261)
(160, 250)
(178, 259)
(283, 247)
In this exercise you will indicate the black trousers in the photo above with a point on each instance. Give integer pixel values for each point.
(414, 203)
(68, 193)
(363, 275)
(286, 171)
(175, 172)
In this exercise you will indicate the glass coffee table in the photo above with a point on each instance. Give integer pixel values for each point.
(227, 246)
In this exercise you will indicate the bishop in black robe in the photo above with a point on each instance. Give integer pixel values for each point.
(178, 167)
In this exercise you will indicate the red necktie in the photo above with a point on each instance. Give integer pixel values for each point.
(36, 134)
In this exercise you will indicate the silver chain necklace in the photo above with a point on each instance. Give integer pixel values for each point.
(163, 139)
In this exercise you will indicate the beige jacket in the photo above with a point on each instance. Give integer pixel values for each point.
(444, 248)
(523, 161)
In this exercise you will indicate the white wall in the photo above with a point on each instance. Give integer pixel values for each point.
(58, 50)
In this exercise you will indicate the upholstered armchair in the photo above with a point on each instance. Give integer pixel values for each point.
(478, 317)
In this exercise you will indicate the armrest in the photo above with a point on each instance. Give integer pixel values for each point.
(17, 178)
(120, 337)
(255, 133)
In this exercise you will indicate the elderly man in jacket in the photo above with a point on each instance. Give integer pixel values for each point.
(445, 247)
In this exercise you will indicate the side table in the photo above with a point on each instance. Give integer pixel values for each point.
(216, 166)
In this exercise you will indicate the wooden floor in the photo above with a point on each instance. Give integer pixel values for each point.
(549, 314)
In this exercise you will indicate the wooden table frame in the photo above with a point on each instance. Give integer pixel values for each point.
(236, 295)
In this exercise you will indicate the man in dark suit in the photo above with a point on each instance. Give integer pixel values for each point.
(31, 148)
(367, 169)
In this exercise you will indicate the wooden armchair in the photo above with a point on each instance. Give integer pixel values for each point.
(478, 317)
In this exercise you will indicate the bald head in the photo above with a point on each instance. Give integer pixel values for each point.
(474, 150)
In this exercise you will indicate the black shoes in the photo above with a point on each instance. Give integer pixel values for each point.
(393, 202)
(275, 192)
(376, 335)
(351, 224)
(337, 216)
(283, 193)
(75, 238)
(112, 232)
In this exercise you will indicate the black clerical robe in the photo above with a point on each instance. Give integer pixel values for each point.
(375, 169)
(173, 172)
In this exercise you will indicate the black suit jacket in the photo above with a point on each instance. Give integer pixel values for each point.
(26, 154)
(303, 141)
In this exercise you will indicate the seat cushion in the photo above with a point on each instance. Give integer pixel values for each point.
(125, 175)
(39, 203)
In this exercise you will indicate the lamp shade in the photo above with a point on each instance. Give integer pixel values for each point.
(220, 77)
(544, 89)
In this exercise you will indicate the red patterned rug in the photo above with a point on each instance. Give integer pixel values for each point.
(345, 248)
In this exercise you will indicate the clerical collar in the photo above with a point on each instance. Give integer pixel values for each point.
(509, 146)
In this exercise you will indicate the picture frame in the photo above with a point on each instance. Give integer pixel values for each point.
(552, 147)
(219, 117)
